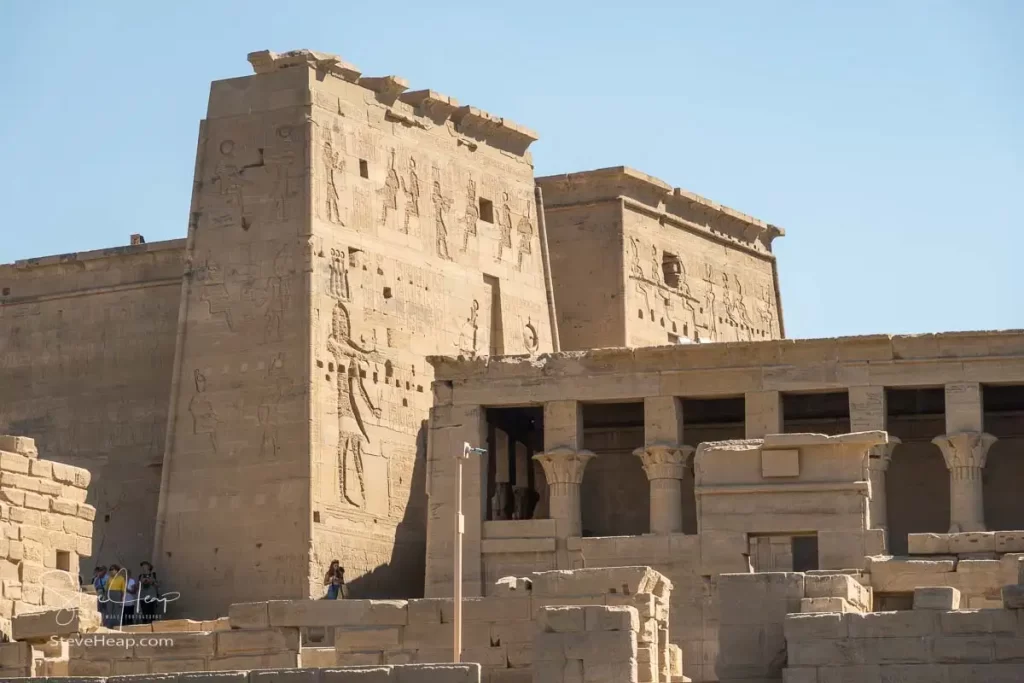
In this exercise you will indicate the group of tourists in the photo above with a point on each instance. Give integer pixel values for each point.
(125, 599)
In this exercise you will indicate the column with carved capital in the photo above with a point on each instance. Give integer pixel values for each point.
(878, 463)
(563, 469)
(965, 454)
(665, 466)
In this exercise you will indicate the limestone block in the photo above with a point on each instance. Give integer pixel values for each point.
(837, 586)
(220, 675)
(897, 575)
(817, 605)
(487, 657)
(802, 674)
(596, 581)
(275, 661)
(364, 658)
(337, 612)
(613, 618)
(22, 445)
(511, 675)
(942, 598)
(563, 619)
(285, 676)
(964, 649)
(1009, 541)
(815, 626)
(723, 552)
(563, 424)
(176, 626)
(15, 655)
(84, 667)
(14, 462)
(928, 544)
(257, 642)
(497, 609)
(356, 639)
(184, 645)
(893, 624)
(426, 610)
(319, 657)
(519, 654)
(979, 621)
(42, 625)
(759, 598)
(1013, 596)
(972, 542)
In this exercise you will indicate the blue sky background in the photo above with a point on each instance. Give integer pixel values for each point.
(886, 137)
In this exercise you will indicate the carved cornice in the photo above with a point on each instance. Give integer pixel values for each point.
(662, 461)
(563, 465)
(965, 449)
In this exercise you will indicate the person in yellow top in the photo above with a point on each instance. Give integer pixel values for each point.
(116, 583)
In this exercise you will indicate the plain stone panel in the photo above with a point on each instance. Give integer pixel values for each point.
(943, 598)
(252, 615)
(964, 649)
(356, 639)
(819, 605)
(986, 673)
(808, 674)
(437, 673)
(836, 586)
(257, 642)
(276, 661)
(285, 676)
(568, 619)
(859, 673)
(214, 677)
(913, 673)
(893, 624)
(612, 618)
(811, 627)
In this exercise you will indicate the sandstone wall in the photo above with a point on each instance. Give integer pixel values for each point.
(86, 350)
(342, 231)
(47, 529)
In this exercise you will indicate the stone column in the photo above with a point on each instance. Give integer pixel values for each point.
(665, 466)
(563, 468)
(965, 454)
(763, 413)
(878, 463)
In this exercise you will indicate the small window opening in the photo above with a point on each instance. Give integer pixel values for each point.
(316, 516)
(486, 210)
(387, 292)
(364, 169)
(63, 560)
(671, 269)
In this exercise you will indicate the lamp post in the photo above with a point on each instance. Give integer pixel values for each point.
(460, 529)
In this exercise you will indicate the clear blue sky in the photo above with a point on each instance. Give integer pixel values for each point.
(887, 138)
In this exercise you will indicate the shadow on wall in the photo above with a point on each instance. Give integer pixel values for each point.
(403, 575)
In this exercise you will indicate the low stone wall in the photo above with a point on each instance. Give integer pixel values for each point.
(410, 673)
(928, 643)
(754, 607)
(111, 653)
(47, 527)
(498, 630)
(590, 643)
(978, 580)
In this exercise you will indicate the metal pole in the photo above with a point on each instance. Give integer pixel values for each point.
(460, 530)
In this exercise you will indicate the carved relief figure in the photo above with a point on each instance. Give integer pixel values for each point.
(728, 301)
(505, 226)
(353, 435)
(472, 214)
(531, 340)
(441, 206)
(635, 270)
(204, 417)
(525, 230)
(412, 195)
(741, 302)
(655, 265)
(338, 285)
(389, 193)
(765, 312)
(332, 163)
(468, 341)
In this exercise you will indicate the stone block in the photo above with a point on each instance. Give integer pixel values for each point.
(148, 678)
(337, 612)
(613, 618)
(813, 605)
(125, 667)
(964, 649)
(14, 462)
(989, 673)
(15, 655)
(564, 619)
(782, 462)
(1009, 541)
(497, 609)
(978, 621)
(487, 657)
(285, 676)
(437, 673)
(364, 674)
(609, 672)
(600, 646)
(596, 581)
(511, 676)
(512, 632)
(182, 645)
(972, 542)
(364, 658)
(837, 586)
(426, 610)
(802, 674)
(942, 598)
(370, 638)
(42, 625)
(900, 575)
(1013, 596)
(217, 676)
(249, 615)
(880, 625)
(519, 654)
(22, 445)
(269, 641)
(318, 657)
(283, 660)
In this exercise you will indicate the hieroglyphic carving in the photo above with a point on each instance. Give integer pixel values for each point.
(338, 285)
(334, 169)
(204, 417)
(389, 193)
(525, 230)
(635, 269)
(504, 227)
(441, 206)
(655, 265)
(766, 310)
(412, 195)
(472, 215)
(468, 343)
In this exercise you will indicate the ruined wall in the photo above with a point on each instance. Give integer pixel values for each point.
(424, 238)
(86, 351)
